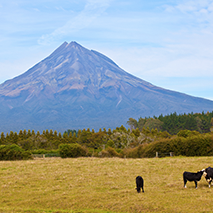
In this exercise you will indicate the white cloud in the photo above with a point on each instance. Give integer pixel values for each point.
(92, 10)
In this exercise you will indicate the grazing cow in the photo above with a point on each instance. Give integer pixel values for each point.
(208, 173)
(192, 177)
(139, 184)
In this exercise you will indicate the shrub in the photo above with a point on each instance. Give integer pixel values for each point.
(72, 150)
(187, 133)
(44, 151)
(109, 152)
(194, 145)
(136, 152)
(13, 152)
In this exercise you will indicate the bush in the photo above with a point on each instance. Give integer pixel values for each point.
(44, 151)
(194, 145)
(187, 133)
(72, 150)
(14, 152)
(109, 152)
(136, 152)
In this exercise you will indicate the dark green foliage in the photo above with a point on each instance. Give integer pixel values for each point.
(173, 123)
(72, 150)
(44, 151)
(162, 146)
(195, 145)
(111, 143)
(13, 152)
(143, 140)
(187, 133)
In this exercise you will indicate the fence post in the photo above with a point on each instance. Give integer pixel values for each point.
(156, 154)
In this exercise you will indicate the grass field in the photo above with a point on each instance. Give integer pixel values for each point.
(103, 185)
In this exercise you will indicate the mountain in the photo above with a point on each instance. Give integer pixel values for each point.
(76, 88)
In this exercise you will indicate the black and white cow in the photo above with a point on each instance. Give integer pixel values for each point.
(139, 184)
(208, 173)
(189, 176)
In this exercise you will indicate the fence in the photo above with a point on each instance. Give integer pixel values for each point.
(46, 155)
(165, 154)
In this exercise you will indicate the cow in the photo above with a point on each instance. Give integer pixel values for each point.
(208, 173)
(139, 184)
(189, 176)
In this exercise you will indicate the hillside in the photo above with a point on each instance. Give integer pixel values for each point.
(76, 88)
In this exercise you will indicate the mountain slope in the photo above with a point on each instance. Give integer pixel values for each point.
(79, 88)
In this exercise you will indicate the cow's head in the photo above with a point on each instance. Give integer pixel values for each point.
(204, 174)
(202, 171)
(138, 189)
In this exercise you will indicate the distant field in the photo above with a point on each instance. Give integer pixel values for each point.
(103, 185)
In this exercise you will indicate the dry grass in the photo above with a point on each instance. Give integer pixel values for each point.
(103, 185)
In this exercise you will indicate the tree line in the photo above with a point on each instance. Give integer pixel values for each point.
(188, 135)
(173, 123)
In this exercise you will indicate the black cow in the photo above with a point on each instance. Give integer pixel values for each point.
(139, 184)
(208, 173)
(192, 177)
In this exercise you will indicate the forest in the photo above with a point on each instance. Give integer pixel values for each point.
(173, 123)
(184, 134)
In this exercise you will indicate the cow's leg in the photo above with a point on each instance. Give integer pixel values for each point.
(195, 184)
(142, 185)
(142, 189)
(210, 180)
(185, 181)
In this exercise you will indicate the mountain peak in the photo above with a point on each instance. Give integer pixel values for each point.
(74, 43)
(79, 88)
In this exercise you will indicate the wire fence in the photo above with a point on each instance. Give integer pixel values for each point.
(164, 154)
(46, 155)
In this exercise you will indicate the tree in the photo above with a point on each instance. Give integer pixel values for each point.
(59, 135)
(2, 141)
(25, 133)
(79, 133)
(109, 132)
(51, 133)
(33, 132)
(132, 123)
(141, 123)
(65, 136)
(47, 133)
(20, 134)
(212, 121)
(28, 133)
(136, 132)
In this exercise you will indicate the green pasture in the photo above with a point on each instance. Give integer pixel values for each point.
(101, 185)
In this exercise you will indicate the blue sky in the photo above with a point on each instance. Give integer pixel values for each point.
(168, 43)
